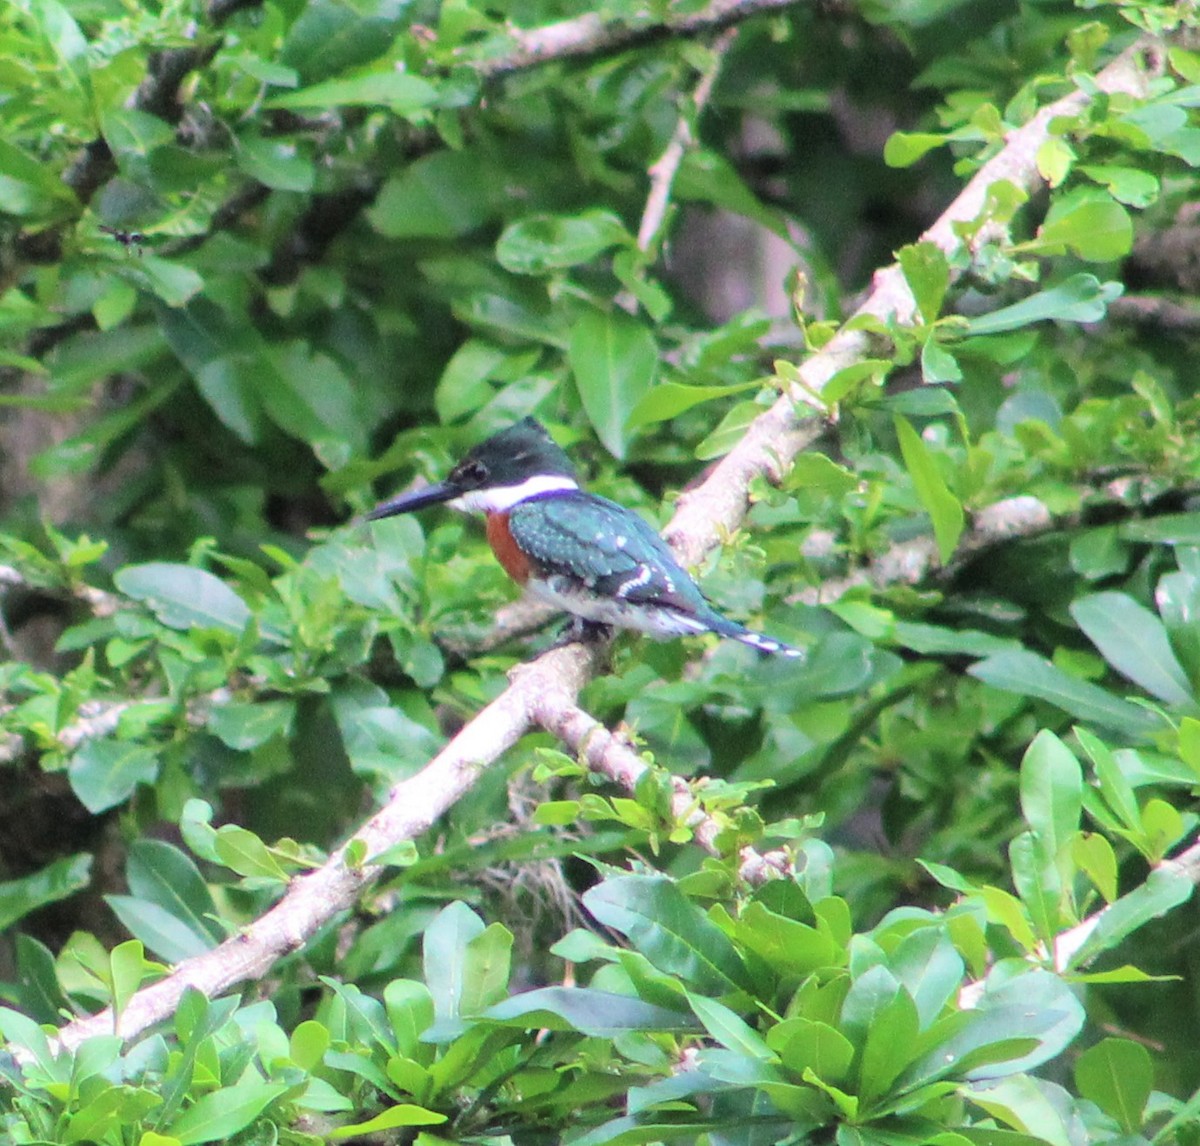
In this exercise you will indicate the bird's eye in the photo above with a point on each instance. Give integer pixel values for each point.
(473, 472)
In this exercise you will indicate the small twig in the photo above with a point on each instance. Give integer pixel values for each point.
(588, 35)
(663, 170)
(1156, 310)
(611, 756)
(911, 562)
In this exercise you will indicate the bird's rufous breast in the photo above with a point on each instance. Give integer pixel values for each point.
(507, 552)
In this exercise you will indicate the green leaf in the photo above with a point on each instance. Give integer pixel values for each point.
(308, 1043)
(600, 1014)
(127, 968)
(440, 196)
(804, 1044)
(104, 773)
(1015, 1026)
(162, 874)
(163, 933)
(242, 851)
(275, 163)
(1169, 529)
(403, 93)
(1134, 641)
(409, 1007)
(1025, 1104)
(541, 243)
(446, 958)
(222, 1113)
(730, 1029)
(928, 274)
(1165, 888)
(246, 726)
(486, 969)
(937, 365)
(944, 509)
(1051, 791)
(670, 399)
(55, 881)
(890, 1045)
(1029, 675)
(1089, 223)
(785, 944)
(1114, 785)
(904, 148)
(669, 930)
(1129, 185)
(195, 825)
(183, 597)
(1081, 298)
(1117, 1075)
(1094, 856)
(404, 1114)
(614, 359)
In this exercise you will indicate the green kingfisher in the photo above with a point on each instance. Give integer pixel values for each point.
(577, 551)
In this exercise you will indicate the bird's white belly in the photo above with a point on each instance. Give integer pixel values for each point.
(657, 620)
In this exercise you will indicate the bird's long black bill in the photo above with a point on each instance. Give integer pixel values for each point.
(414, 499)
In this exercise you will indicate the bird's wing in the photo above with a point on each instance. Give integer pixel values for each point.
(604, 546)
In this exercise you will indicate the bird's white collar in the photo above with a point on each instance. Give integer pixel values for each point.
(500, 499)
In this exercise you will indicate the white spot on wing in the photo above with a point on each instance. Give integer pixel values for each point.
(642, 577)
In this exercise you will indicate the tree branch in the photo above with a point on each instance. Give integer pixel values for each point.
(776, 436)
(705, 516)
(611, 756)
(662, 172)
(911, 562)
(588, 35)
(315, 898)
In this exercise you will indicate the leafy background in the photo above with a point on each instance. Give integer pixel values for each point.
(263, 263)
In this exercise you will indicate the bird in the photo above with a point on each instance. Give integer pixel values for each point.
(585, 555)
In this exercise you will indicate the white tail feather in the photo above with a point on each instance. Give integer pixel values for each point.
(766, 644)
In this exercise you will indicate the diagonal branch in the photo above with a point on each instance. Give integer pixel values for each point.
(610, 756)
(705, 517)
(664, 169)
(775, 437)
(590, 34)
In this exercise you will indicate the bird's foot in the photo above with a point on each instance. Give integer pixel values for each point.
(580, 629)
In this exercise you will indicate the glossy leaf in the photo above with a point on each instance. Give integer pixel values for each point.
(1081, 298)
(944, 509)
(614, 359)
(402, 93)
(1134, 641)
(1029, 675)
(56, 881)
(104, 773)
(1164, 889)
(600, 1014)
(447, 959)
(542, 243)
(221, 1114)
(673, 933)
(403, 1114)
(1051, 791)
(183, 597)
(1117, 1075)
(1089, 223)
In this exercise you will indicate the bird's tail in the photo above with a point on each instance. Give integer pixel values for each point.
(724, 627)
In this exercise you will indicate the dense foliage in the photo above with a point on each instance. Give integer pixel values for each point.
(261, 263)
